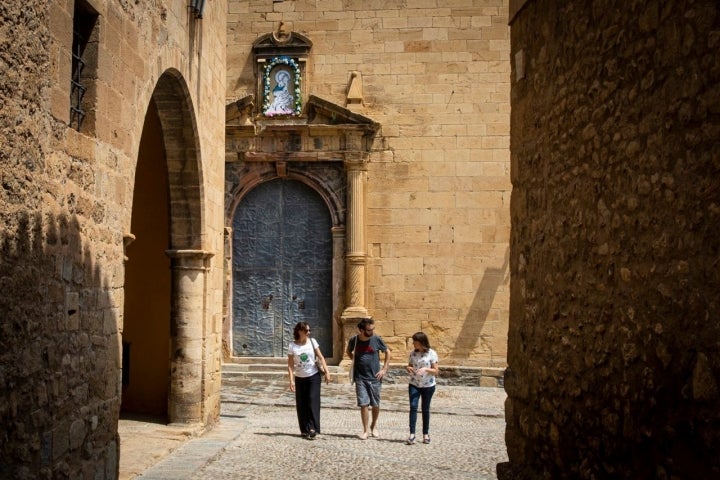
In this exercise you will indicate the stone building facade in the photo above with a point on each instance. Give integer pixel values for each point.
(135, 177)
(614, 366)
(401, 133)
(111, 114)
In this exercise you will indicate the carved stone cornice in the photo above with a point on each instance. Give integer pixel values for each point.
(327, 132)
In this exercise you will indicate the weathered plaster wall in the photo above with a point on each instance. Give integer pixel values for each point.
(65, 201)
(435, 76)
(614, 358)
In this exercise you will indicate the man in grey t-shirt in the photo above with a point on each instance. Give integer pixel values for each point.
(365, 348)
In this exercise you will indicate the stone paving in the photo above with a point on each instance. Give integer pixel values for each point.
(257, 438)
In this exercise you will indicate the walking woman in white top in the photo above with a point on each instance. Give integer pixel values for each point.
(422, 367)
(305, 379)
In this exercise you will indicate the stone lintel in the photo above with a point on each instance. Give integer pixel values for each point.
(297, 126)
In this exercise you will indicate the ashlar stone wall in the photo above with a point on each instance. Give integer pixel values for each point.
(614, 365)
(65, 204)
(435, 76)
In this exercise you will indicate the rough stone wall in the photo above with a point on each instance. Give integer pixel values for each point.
(65, 201)
(614, 358)
(435, 75)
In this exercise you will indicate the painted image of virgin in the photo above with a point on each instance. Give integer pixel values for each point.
(282, 103)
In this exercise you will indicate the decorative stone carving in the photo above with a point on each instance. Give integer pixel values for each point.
(317, 142)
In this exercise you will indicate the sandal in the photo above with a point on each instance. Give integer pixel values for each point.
(426, 438)
(410, 440)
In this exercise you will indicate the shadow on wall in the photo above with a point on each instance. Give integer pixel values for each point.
(59, 353)
(475, 334)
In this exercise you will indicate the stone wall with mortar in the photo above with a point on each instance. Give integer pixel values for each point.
(435, 75)
(614, 358)
(65, 203)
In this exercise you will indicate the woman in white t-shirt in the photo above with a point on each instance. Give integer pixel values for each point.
(305, 379)
(422, 367)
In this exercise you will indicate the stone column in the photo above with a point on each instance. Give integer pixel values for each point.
(355, 258)
(187, 333)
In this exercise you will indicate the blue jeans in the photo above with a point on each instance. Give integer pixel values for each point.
(415, 395)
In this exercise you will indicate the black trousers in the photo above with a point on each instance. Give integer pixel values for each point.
(307, 402)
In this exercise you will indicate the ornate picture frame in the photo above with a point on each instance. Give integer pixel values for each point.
(282, 87)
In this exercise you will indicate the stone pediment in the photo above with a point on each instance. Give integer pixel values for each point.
(317, 111)
(324, 131)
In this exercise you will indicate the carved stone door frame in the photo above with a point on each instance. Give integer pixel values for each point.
(328, 149)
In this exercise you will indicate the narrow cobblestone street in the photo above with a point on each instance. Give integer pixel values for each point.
(257, 438)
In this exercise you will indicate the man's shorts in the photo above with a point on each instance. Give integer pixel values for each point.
(368, 392)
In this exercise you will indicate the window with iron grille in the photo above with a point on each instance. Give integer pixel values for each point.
(84, 64)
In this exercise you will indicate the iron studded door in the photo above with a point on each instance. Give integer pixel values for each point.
(282, 269)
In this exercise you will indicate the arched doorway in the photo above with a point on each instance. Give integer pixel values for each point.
(146, 332)
(327, 150)
(282, 268)
(165, 320)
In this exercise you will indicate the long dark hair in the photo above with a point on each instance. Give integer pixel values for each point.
(304, 326)
(422, 338)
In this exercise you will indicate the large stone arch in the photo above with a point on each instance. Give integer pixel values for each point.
(268, 171)
(189, 259)
(172, 98)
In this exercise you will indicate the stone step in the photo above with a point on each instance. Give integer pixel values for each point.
(271, 371)
(276, 369)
